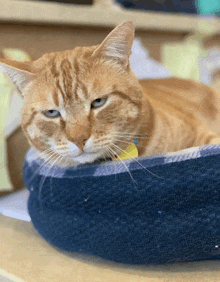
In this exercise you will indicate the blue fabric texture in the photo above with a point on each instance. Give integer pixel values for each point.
(169, 212)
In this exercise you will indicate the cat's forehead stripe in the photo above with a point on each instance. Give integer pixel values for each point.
(84, 89)
(126, 97)
(76, 78)
(53, 68)
(60, 89)
(55, 98)
(71, 82)
(76, 66)
(67, 77)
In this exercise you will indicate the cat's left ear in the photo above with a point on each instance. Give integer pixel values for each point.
(18, 72)
(117, 45)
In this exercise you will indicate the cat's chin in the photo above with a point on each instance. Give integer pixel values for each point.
(84, 158)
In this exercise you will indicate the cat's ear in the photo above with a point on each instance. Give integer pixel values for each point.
(117, 45)
(18, 72)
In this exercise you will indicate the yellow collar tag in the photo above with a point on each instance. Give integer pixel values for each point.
(130, 152)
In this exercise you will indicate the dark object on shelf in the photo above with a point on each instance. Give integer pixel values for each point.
(80, 2)
(175, 6)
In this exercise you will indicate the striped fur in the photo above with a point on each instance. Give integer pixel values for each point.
(166, 114)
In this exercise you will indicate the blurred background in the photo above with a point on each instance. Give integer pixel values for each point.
(173, 38)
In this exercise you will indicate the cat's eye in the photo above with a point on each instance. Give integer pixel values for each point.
(52, 114)
(98, 102)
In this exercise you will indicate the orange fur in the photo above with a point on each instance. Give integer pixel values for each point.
(165, 114)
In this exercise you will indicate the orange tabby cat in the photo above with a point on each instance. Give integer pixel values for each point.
(86, 104)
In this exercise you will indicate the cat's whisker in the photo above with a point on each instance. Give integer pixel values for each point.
(47, 161)
(106, 154)
(132, 139)
(61, 146)
(51, 178)
(43, 163)
(109, 152)
(130, 134)
(62, 149)
(137, 161)
(37, 155)
(134, 182)
(119, 140)
(45, 176)
(45, 153)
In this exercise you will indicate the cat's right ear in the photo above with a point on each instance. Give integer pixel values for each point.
(117, 45)
(18, 72)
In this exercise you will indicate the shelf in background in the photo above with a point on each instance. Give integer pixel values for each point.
(97, 16)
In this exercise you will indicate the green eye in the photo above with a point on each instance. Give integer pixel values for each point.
(98, 103)
(52, 114)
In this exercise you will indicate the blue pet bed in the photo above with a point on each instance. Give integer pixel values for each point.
(169, 212)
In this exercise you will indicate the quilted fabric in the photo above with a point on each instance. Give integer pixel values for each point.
(168, 211)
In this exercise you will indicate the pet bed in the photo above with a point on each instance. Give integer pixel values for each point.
(169, 212)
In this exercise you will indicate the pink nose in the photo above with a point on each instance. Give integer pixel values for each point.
(80, 141)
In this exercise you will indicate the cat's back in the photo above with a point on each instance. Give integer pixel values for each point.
(184, 96)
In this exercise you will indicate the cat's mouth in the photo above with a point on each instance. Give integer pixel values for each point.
(89, 157)
(102, 160)
(86, 153)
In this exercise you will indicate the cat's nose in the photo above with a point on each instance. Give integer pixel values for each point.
(80, 141)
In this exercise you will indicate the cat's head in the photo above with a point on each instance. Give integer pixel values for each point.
(83, 104)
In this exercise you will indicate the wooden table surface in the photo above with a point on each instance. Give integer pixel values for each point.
(25, 254)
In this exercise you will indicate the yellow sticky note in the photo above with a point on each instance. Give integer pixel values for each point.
(130, 152)
(6, 88)
(15, 54)
(182, 59)
(6, 91)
